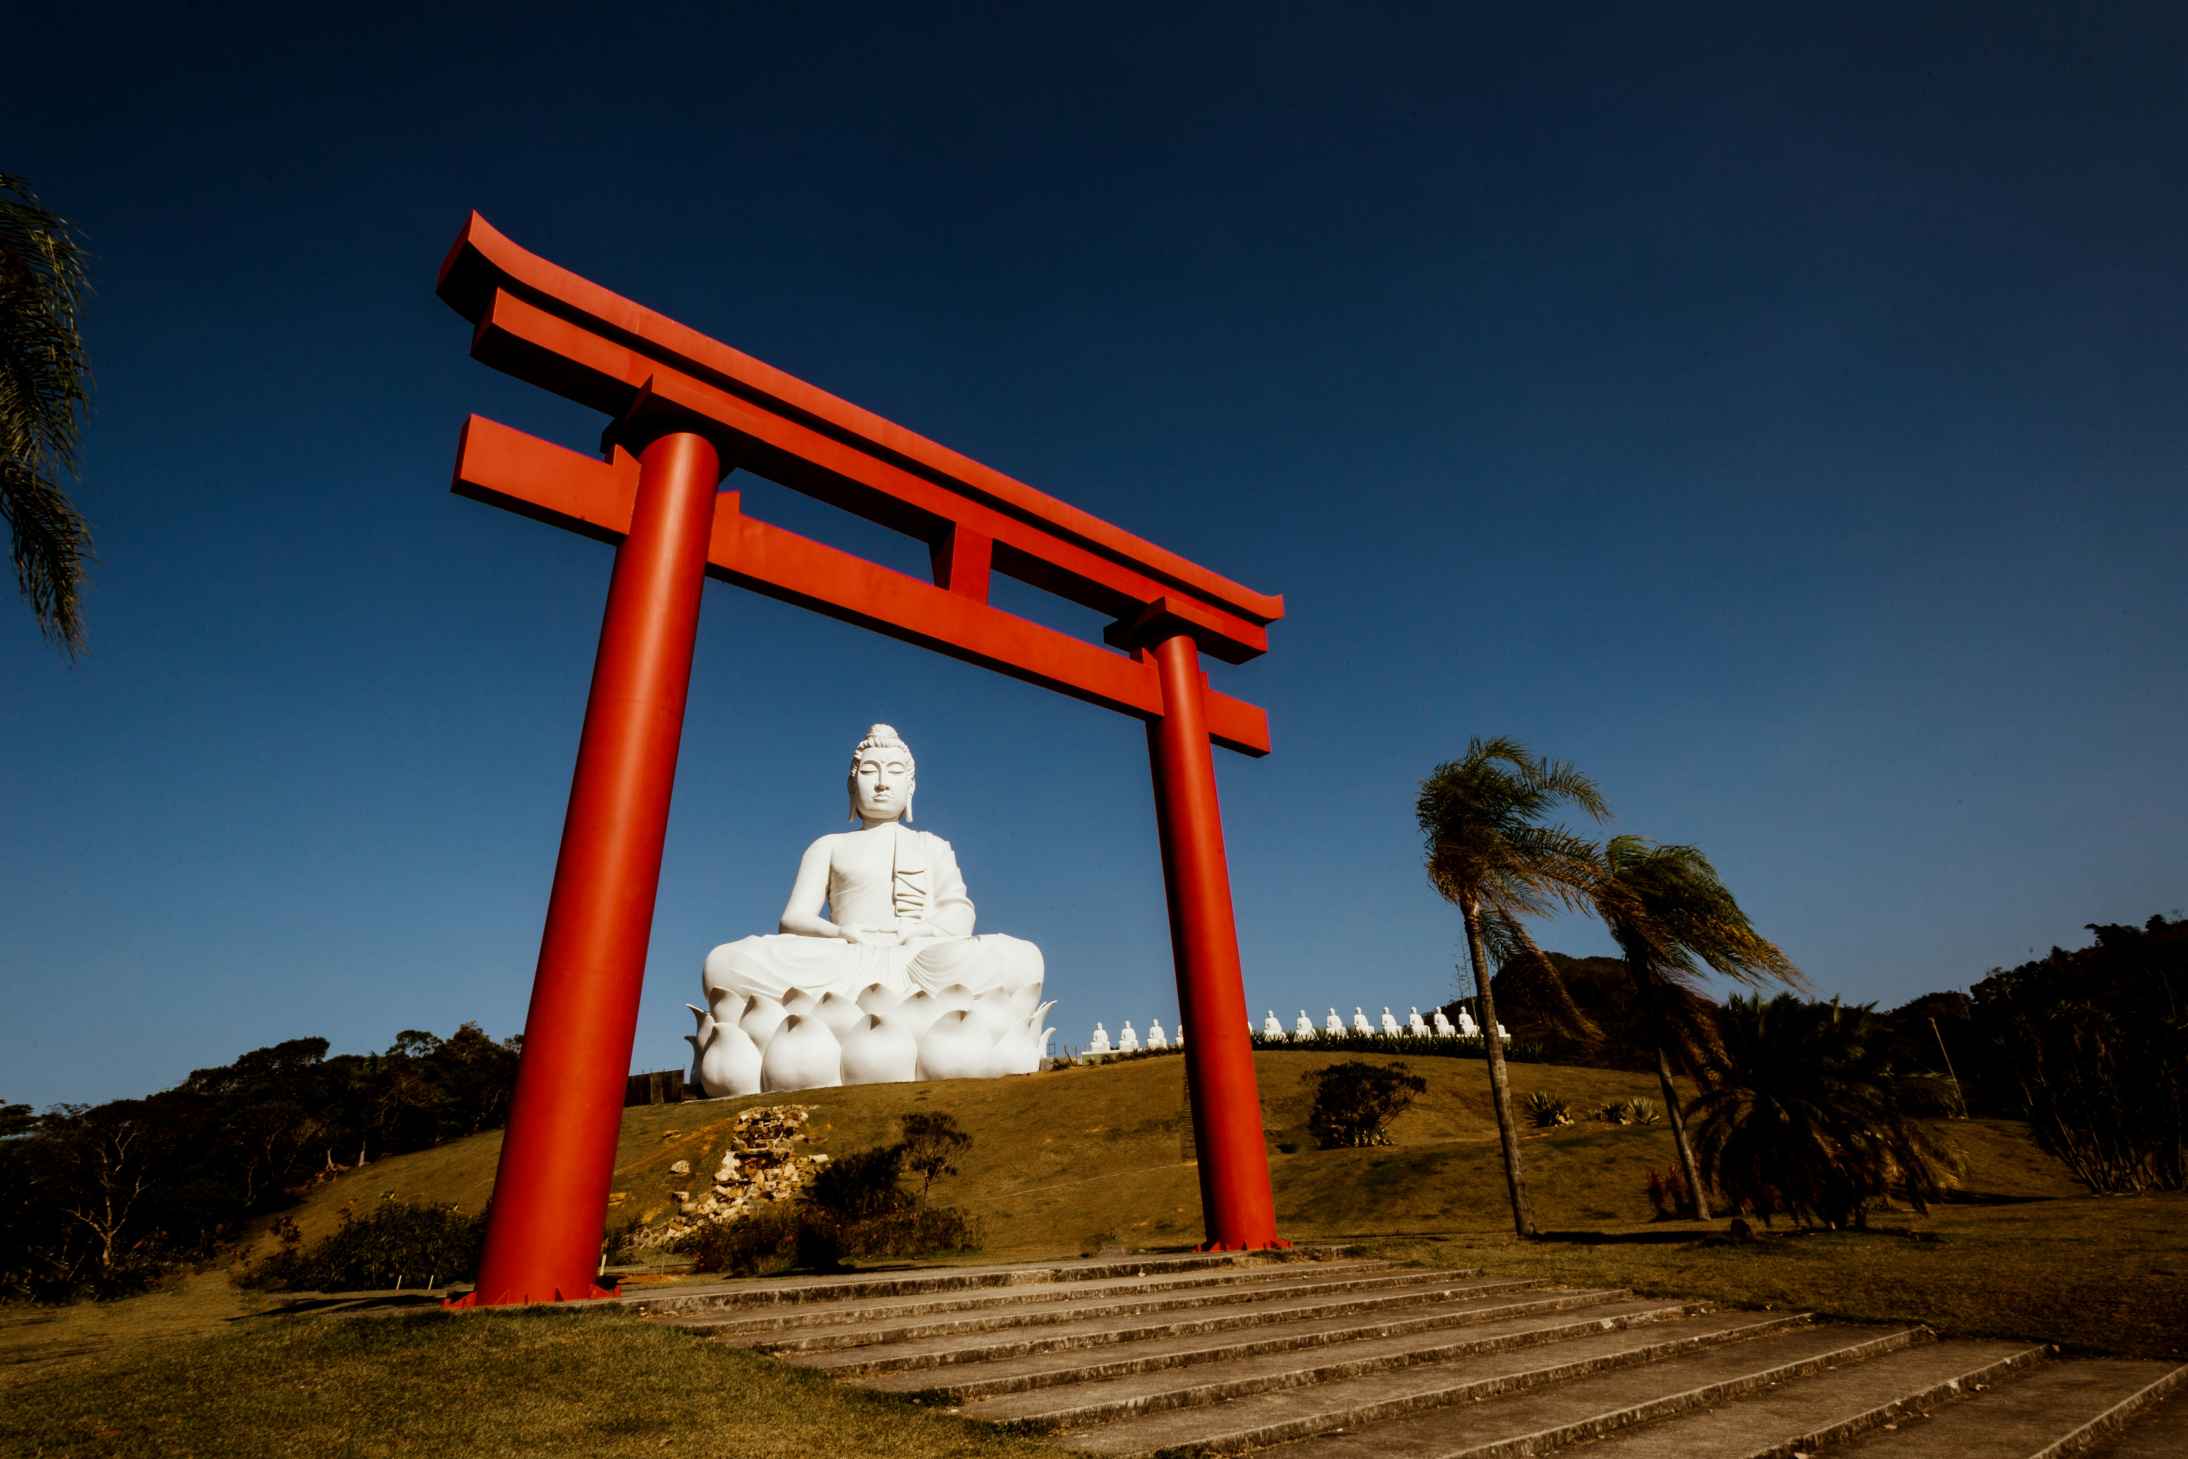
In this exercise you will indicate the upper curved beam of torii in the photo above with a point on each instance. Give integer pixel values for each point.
(546, 325)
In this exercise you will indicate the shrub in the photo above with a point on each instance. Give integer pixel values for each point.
(1804, 1116)
(856, 1206)
(1548, 1111)
(398, 1241)
(861, 1186)
(1671, 1198)
(1630, 1112)
(760, 1244)
(932, 1143)
(1355, 1102)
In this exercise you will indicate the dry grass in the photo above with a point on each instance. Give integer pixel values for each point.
(1061, 1157)
(1060, 1162)
(518, 1384)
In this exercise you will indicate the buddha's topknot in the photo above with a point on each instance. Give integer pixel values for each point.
(880, 737)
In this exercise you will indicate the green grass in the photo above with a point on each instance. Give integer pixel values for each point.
(2089, 1273)
(519, 1384)
(1060, 1162)
(1063, 1156)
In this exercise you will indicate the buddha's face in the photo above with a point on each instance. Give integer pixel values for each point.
(881, 785)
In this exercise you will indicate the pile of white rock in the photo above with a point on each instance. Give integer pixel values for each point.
(762, 1163)
(758, 1044)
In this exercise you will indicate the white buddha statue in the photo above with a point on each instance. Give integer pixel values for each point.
(1099, 1044)
(1390, 1024)
(1468, 1029)
(1359, 1020)
(1414, 1026)
(1271, 1028)
(897, 911)
(876, 948)
(1333, 1026)
(1303, 1031)
(1128, 1042)
(1156, 1038)
(1443, 1026)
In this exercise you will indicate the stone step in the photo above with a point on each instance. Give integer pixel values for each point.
(1796, 1416)
(2158, 1432)
(1267, 1400)
(2059, 1408)
(1430, 1336)
(1132, 1294)
(1091, 1325)
(769, 1291)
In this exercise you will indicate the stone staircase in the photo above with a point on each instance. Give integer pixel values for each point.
(1324, 1355)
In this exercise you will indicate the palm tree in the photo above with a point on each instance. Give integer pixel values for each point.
(1489, 853)
(1671, 916)
(44, 382)
(1804, 1115)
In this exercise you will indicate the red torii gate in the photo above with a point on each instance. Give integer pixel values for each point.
(685, 410)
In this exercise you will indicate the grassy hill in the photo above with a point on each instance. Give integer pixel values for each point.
(1060, 1160)
(1064, 1157)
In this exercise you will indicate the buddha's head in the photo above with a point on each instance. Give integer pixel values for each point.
(883, 777)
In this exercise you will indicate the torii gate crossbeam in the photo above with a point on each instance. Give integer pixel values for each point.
(684, 411)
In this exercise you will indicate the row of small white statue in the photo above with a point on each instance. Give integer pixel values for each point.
(1415, 1026)
(762, 1045)
(1128, 1042)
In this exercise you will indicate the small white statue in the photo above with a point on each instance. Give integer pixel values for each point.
(1333, 1026)
(1444, 1030)
(1503, 1032)
(1414, 1026)
(1177, 1039)
(1128, 1042)
(1390, 1025)
(1468, 1029)
(1303, 1031)
(1099, 1044)
(1271, 1029)
(1156, 1038)
(1359, 1021)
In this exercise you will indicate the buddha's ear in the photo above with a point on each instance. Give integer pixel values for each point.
(850, 795)
(911, 788)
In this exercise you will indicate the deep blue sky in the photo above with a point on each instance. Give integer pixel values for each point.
(1785, 424)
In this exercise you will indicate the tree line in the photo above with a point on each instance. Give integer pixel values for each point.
(102, 1199)
(1807, 1109)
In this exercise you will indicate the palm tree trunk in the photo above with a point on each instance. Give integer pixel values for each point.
(1500, 1089)
(1687, 1166)
(1652, 1003)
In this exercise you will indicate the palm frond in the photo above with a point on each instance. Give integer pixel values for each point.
(44, 390)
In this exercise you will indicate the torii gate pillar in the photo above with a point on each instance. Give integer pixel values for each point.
(558, 1153)
(1235, 1200)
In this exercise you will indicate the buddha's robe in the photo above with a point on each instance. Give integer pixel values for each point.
(879, 882)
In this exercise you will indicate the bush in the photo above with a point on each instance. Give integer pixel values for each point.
(861, 1187)
(856, 1207)
(932, 1143)
(396, 1242)
(1354, 1102)
(1804, 1116)
(760, 1244)
(1630, 1112)
(1671, 1198)
(1548, 1111)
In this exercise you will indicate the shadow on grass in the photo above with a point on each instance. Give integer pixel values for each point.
(351, 1302)
(1689, 1237)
